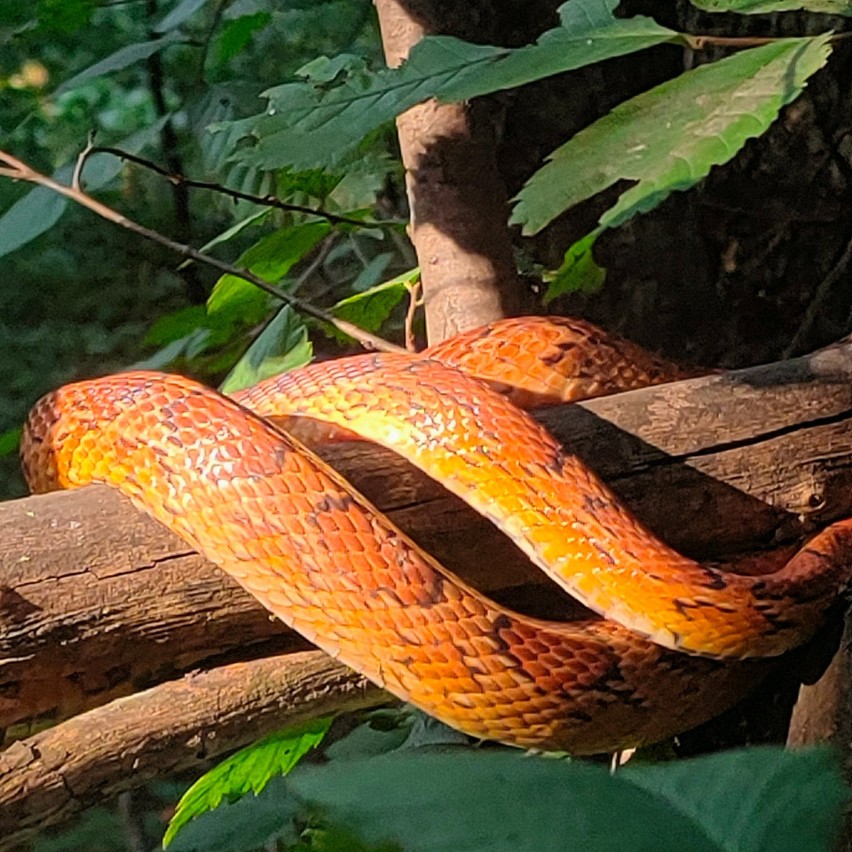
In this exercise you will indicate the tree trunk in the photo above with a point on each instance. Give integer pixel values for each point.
(459, 210)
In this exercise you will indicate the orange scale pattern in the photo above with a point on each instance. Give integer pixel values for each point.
(315, 553)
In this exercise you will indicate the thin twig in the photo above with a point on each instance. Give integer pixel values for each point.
(78, 166)
(415, 300)
(263, 200)
(17, 170)
(702, 42)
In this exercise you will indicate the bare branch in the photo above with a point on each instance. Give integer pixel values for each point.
(175, 726)
(262, 200)
(18, 170)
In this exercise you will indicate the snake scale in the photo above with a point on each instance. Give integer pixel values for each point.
(671, 646)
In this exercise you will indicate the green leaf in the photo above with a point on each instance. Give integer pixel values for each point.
(271, 259)
(250, 824)
(178, 324)
(255, 217)
(236, 34)
(10, 440)
(767, 7)
(122, 58)
(183, 347)
(248, 770)
(747, 801)
(282, 346)
(322, 121)
(368, 310)
(182, 12)
(32, 215)
(578, 273)
(589, 33)
(752, 800)
(668, 139)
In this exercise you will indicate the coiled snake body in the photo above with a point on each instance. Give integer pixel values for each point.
(256, 502)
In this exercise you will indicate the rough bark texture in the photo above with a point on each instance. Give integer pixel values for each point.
(457, 198)
(98, 601)
(173, 727)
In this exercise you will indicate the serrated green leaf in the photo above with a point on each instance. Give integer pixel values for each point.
(249, 770)
(578, 273)
(669, 138)
(768, 7)
(588, 33)
(10, 440)
(247, 825)
(368, 310)
(271, 259)
(321, 122)
(282, 346)
(128, 55)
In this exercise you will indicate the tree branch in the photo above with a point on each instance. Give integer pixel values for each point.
(14, 168)
(180, 725)
(178, 179)
(713, 465)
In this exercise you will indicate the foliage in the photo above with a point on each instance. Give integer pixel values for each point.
(180, 82)
(249, 770)
(766, 7)
(667, 139)
(739, 801)
(320, 141)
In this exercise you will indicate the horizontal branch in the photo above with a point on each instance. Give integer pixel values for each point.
(174, 727)
(97, 601)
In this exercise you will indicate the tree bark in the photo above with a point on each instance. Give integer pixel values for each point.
(459, 210)
(174, 727)
(714, 465)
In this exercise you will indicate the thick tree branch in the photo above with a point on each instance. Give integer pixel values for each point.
(176, 726)
(714, 465)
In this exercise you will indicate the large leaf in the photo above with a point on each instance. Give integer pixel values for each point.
(751, 800)
(249, 770)
(128, 55)
(318, 123)
(282, 346)
(766, 7)
(669, 138)
(745, 801)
